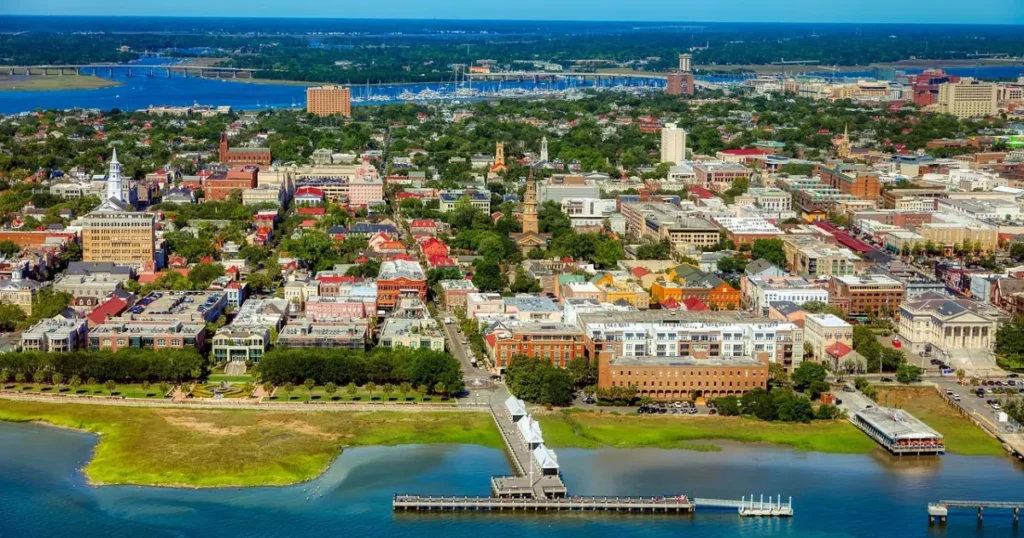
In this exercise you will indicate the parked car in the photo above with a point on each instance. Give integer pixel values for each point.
(712, 411)
(886, 380)
(949, 392)
(1013, 376)
(847, 388)
(956, 397)
(996, 406)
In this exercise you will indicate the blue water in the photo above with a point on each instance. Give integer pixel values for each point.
(43, 493)
(141, 91)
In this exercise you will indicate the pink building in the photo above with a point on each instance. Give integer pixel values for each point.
(320, 307)
(366, 186)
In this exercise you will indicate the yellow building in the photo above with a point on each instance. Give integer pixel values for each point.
(114, 232)
(631, 292)
(661, 291)
(968, 98)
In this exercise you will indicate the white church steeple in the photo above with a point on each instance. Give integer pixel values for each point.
(114, 179)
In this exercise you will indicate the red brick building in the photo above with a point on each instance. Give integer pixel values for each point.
(400, 278)
(679, 84)
(860, 181)
(555, 342)
(677, 378)
(242, 156)
(220, 186)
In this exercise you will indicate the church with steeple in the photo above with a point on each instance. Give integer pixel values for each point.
(531, 237)
(114, 231)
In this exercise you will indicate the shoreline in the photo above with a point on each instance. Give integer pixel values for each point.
(55, 83)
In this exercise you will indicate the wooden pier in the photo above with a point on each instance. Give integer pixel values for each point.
(650, 505)
(537, 484)
(939, 511)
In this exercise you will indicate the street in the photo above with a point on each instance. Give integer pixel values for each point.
(479, 384)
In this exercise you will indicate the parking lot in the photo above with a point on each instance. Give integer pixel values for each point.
(987, 407)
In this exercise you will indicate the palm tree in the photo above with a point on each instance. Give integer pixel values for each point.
(405, 389)
(423, 389)
(19, 377)
(165, 387)
(309, 384)
(388, 389)
(110, 386)
(57, 379)
(268, 387)
(351, 389)
(5, 375)
(439, 388)
(960, 374)
(92, 381)
(370, 387)
(39, 377)
(145, 384)
(248, 387)
(288, 388)
(75, 382)
(330, 389)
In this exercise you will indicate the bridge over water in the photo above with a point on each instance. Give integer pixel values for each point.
(130, 70)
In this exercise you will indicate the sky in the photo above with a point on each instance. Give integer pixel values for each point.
(854, 11)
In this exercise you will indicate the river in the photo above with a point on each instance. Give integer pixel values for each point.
(139, 91)
(43, 493)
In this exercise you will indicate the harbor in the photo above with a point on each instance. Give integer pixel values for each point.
(538, 485)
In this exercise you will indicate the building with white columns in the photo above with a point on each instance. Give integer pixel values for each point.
(948, 324)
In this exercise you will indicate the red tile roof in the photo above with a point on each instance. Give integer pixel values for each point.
(671, 303)
(744, 151)
(112, 307)
(838, 349)
(694, 304)
(312, 210)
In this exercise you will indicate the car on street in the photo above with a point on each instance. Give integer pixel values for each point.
(1013, 376)
(847, 388)
(949, 392)
(996, 406)
(956, 397)
(886, 380)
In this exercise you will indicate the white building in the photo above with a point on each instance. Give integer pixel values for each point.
(673, 144)
(587, 211)
(824, 330)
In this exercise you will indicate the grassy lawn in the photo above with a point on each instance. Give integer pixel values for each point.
(217, 378)
(127, 391)
(213, 448)
(960, 435)
(594, 430)
(318, 394)
(54, 82)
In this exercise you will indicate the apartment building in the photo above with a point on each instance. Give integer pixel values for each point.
(719, 176)
(558, 188)
(342, 334)
(744, 231)
(56, 335)
(587, 212)
(18, 291)
(673, 144)
(771, 198)
(812, 258)
(479, 199)
(455, 292)
(701, 335)
(240, 344)
(399, 278)
(119, 334)
(415, 333)
(856, 180)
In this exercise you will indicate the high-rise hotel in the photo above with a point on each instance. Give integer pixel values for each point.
(114, 231)
(329, 100)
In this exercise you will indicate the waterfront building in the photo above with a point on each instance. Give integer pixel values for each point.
(119, 333)
(56, 335)
(702, 335)
(183, 306)
(240, 344)
(673, 144)
(113, 232)
(343, 334)
(555, 342)
(683, 377)
(329, 101)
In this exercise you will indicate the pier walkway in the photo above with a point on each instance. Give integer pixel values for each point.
(939, 511)
(530, 478)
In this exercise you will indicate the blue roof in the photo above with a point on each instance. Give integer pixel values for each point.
(337, 230)
(366, 227)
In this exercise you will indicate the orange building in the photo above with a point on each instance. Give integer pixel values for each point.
(329, 101)
(678, 378)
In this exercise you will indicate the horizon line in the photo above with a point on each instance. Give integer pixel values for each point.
(487, 19)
